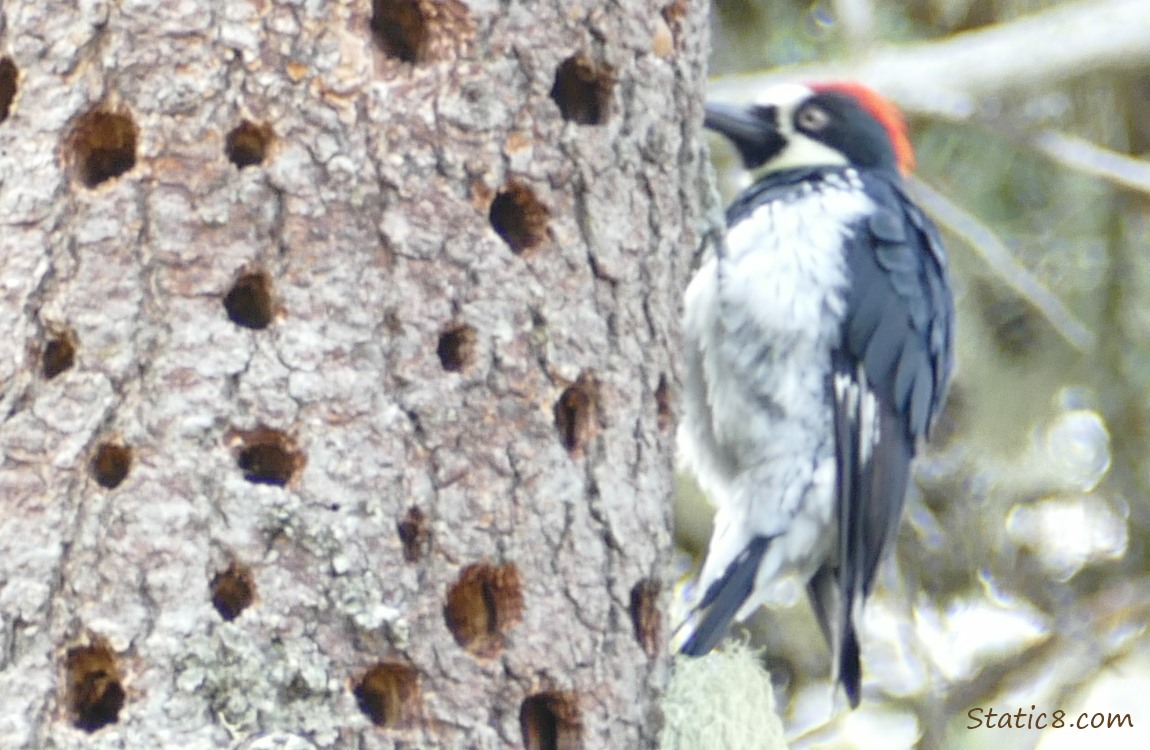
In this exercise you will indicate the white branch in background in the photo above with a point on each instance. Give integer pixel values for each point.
(947, 78)
(1089, 158)
(1000, 260)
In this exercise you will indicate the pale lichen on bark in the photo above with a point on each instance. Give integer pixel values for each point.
(368, 220)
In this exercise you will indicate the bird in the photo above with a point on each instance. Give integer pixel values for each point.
(818, 350)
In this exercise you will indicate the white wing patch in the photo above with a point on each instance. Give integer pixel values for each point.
(868, 420)
(861, 405)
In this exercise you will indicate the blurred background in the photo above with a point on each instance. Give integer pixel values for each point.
(1021, 579)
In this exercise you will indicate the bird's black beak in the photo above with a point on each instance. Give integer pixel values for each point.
(753, 131)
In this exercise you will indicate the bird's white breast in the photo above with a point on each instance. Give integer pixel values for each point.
(785, 268)
(760, 323)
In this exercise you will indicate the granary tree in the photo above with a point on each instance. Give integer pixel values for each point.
(337, 372)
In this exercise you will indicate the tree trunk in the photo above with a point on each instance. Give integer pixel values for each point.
(338, 339)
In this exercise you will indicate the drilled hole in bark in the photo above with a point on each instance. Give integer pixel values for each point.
(59, 355)
(233, 591)
(483, 604)
(103, 146)
(399, 28)
(582, 90)
(7, 86)
(415, 534)
(646, 617)
(247, 144)
(550, 721)
(110, 465)
(675, 12)
(575, 413)
(519, 218)
(389, 694)
(267, 456)
(457, 348)
(673, 15)
(95, 695)
(249, 301)
(663, 403)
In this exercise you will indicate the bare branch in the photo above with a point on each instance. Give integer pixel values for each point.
(947, 78)
(998, 257)
(1082, 155)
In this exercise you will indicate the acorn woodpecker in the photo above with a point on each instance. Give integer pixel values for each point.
(819, 346)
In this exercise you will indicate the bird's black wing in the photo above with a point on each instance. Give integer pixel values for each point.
(888, 382)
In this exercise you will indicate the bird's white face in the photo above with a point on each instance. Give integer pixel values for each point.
(820, 126)
(790, 104)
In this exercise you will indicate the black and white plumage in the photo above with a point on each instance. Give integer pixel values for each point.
(819, 346)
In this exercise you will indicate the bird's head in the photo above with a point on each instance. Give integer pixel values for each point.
(833, 124)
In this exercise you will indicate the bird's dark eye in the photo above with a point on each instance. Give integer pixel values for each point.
(812, 117)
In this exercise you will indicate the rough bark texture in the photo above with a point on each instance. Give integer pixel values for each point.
(336, 341)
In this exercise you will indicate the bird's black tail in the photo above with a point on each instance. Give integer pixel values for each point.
(724, 597)
(836, 618)
(849, 669)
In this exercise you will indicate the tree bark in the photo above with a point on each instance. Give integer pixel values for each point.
(338, 344)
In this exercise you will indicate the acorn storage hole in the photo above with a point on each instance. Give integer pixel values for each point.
(95, 695)
(519, 218)
(399, 28)
(247, 144)
(550, 721)
(103, 146)
(414, 534)
(456, 348)
(249, 301)
(663, 414)
(646, 617)
(575, 413)
(59, 355)
(582, 90)
(389, 694)
(266, 456)
(111, 464)
(233, 591)
(7, 86)
(484, 603)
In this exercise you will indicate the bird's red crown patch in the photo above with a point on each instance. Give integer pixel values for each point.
(884, 111)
